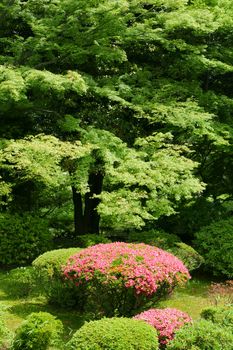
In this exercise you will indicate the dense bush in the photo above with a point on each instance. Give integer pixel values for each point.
(88, 240)
(220, 315)
(165, 321)
(20, 282)
(22, 238)
(49, 275)
(171, 243)
(114, 334)
(215, 243)
(202, 335)
(121, 277)
(38, 332)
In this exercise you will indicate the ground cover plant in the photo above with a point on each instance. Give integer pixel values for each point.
(123, 277)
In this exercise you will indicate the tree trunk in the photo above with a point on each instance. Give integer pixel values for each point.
(78, 212)
(91, 216)
(87, 220)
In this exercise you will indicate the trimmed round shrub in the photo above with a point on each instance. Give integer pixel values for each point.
(121, 277)
(171, 243)
(202, 335)
(49, 277)
(38, 332)
(22, 238)
(215, 244)
(165, 321)
(88, 240)
(220, 315)
(114, 334)
(20, 282)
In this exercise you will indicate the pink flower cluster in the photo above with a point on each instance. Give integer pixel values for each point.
(139, 266)
(165, 321)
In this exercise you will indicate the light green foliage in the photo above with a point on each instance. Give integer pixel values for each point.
(202, 335)
(52, 261)
(223, 316)
(134, 71)
(4, 332)
(23, 237)
(215, 244)
(139, 185)
(50, 281)
(38, 332)
(114, 334)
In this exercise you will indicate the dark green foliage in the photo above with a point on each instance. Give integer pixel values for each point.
(223, 316)
(171, 243)
(114, 334)
(23, 237)
(202, 335)
(38, 332)
(85, 241)
(49, 278)
(215, 244)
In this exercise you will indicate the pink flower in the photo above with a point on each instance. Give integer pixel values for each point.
(139, 266)
(165, 321)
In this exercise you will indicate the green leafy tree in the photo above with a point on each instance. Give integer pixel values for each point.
(121, 76)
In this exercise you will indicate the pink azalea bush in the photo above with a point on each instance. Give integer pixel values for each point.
(116, 268)
(166, 321)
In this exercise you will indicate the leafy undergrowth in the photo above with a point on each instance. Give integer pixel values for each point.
(191, 299)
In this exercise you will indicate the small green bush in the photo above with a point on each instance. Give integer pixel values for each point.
(202, 335)
(22, 238)
(38, 332)
(222, 316)
(171, 243)
(88, 240)
(48, 274)
(20, 282)
(215, 244)
(190, 257)
(114, 334)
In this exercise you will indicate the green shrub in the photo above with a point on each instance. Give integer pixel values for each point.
(38, 332)
(171, 243)
(160, 239)
(4, 332)
(190, 257)
(88, 240)
(215, 244)
(114, 334)
(20, 282)
(202, 335)
(22, 238)
(222, 316)
(48, 274)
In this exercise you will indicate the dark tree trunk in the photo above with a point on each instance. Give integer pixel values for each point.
(91, 216)
(86, 217)
(78, 212)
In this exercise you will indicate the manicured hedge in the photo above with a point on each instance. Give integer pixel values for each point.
(114, 334)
